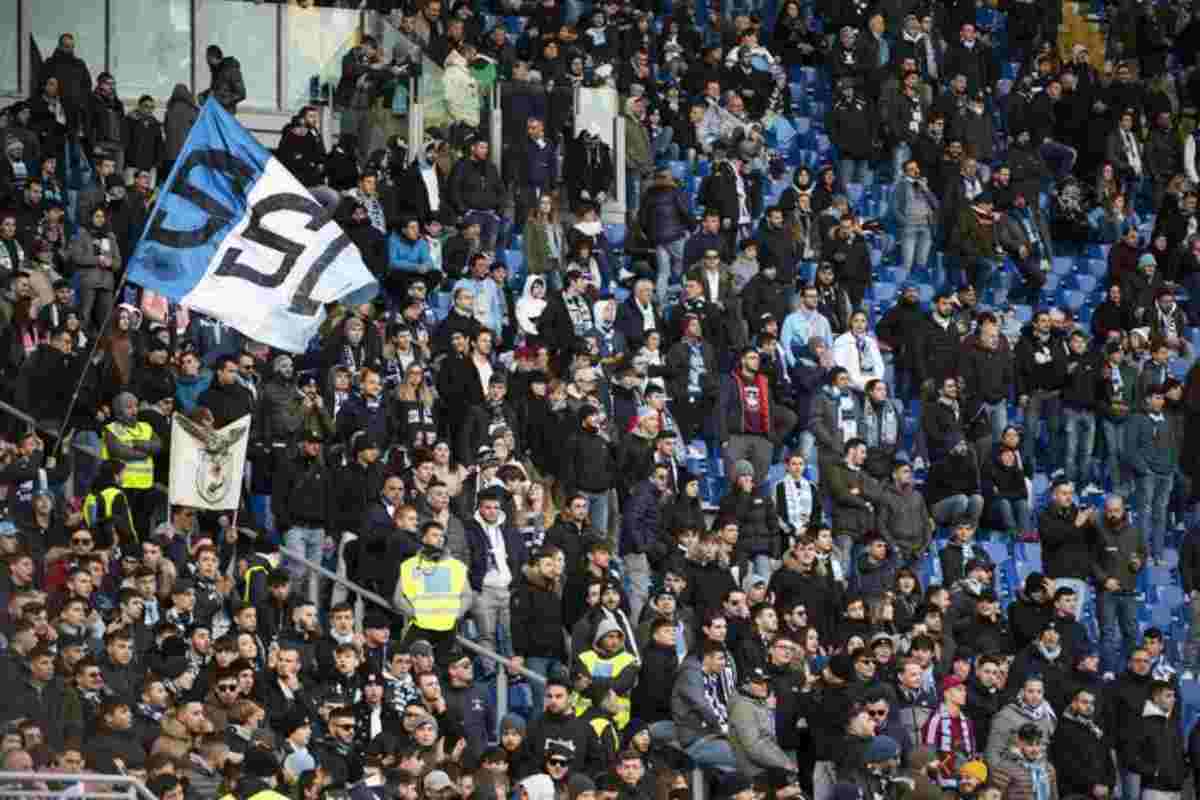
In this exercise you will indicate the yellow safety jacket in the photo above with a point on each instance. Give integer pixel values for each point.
(609, 668)
(109, 497)
(137, 474)
(435, 589)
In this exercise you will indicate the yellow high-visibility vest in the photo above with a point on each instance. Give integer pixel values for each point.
(137, 474)
(600, 667)
(109, 497)
(435, 590)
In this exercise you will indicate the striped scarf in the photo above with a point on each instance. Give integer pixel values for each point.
(715, 693)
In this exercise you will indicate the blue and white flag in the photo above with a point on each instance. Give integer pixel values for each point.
(235, 236)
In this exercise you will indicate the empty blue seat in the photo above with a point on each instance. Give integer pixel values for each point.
(1062, 265)
(514, 260)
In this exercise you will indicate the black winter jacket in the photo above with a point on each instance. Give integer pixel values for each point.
(758, 524)
(301, 495)
(1067, 550)
(475, 186)
(537, 620)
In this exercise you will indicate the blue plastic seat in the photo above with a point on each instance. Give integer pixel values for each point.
(615, 234)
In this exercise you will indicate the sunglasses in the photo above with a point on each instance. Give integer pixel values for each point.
(557, 762)
(877, 714)
(81, 540)
(227, 687)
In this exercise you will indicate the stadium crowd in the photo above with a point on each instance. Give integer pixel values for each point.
(844, 469)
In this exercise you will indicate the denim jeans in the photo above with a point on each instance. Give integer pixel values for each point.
(997, 414)
(915, 243)
(902, 153)
(542, 666)
(1014, 514)
(1114, 443)
(1041, 404)
(761, 565)
(853, 170)
(637, 576)
(664, 146)
(1153, 495)
(1080, 429)
(713, 752)
(1131, 785)
(949, 509)
(489, 610)
(307, 543)
(1118, 628)
(670, 264)
(598, 511)
(633, 190)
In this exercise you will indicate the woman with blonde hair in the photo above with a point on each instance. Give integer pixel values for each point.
(414, 403)
(544, 243)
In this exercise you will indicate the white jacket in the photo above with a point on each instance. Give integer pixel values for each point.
(845, 354)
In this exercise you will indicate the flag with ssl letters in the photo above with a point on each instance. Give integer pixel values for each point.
(235, 236)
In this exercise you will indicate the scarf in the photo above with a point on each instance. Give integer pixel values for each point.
(847, 418)
(151, 712)
(941, 739)
(715, 694)
(1040, 778)
(1086, 722)
(798, 502)
(1167, 320)
(882, 428)
(1036, 713)
(761, 406)
(866, 362)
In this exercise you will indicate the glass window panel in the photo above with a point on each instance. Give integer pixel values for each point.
(249, 33)
(9, 77)
(317, 40)
(83, 18)
(151, 47)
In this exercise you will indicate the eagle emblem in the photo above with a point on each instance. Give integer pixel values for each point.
(213, 473)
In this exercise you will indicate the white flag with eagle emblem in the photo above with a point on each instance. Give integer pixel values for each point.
(207, 464)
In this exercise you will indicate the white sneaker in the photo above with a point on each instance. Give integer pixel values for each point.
(1091, 489)
(918, 463)
(1058, 473)
(1108, 676)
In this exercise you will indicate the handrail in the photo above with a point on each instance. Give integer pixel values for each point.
(367, 594)
(504, 665)
(136, 788)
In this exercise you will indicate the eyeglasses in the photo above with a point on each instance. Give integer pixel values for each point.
(81, 540)
(877, 713)
(343, 726)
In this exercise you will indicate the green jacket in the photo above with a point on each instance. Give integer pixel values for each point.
(638, 157)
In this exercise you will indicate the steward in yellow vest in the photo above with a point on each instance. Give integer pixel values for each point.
(434, 591)
(131, 442)
(106, 510)
(604, 706)
(608, 665)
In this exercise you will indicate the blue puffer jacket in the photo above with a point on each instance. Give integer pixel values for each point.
(409, 256)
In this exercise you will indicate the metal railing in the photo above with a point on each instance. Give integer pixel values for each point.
(502, 663)
(12, 783)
